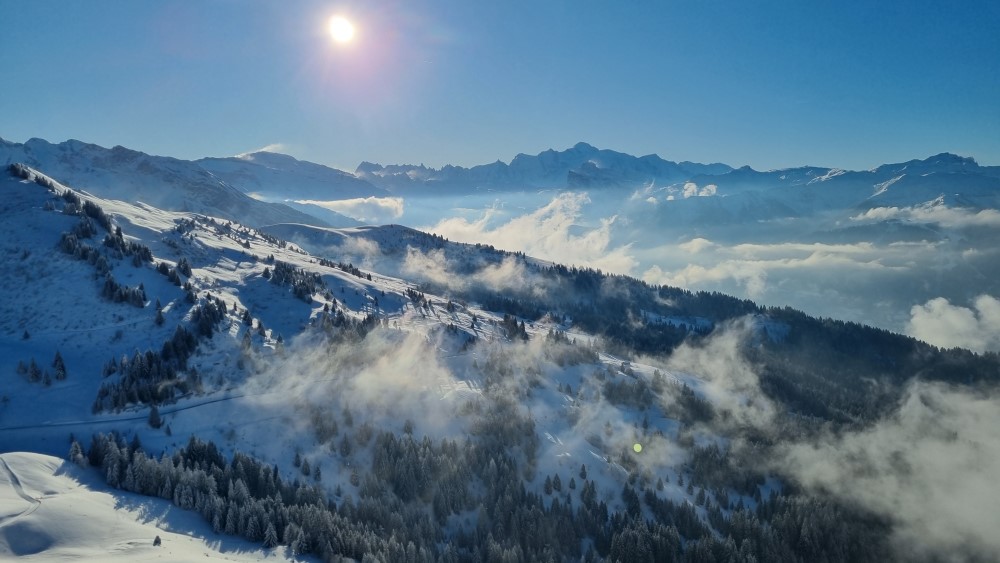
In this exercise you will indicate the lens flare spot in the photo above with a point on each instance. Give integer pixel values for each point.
(637, 447)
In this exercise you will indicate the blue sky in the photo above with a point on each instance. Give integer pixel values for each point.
(771, 84)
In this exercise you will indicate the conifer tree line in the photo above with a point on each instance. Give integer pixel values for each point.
(466, 501)
(155, 378)
(114, 247)
(304, 284)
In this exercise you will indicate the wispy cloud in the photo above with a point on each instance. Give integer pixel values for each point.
(374, 210)
(273, 147)
(934, 212)
(696, 245)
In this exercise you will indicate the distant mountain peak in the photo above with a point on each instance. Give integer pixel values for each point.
(951, 158)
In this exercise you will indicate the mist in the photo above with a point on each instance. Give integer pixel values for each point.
(929, 467)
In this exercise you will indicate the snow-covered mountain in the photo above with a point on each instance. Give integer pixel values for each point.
(384, 392)
(275, 176)
(288, 190)
(747, 196)
(164, 182)
(582, 166)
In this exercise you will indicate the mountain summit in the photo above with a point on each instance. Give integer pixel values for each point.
(582, 165)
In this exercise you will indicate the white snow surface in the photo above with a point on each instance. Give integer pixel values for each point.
(52, 510)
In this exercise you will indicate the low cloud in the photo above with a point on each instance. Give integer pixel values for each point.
(387, 377)
(930, 468)
(696, 245)
(508, 275)
(729, 381)
(374, 210)
(935, 212)
(692, 190)
(940, 323)
(552, 232)
(751, 276)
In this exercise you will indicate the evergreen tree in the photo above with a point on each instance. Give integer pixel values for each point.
(270, 536)
(34, 372)
(76, 454)
(59, 367)
(345, 446)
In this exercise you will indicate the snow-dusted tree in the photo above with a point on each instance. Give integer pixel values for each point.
(59, 366)
(270, 536)
(231, 515)
(34, 372)
(76, 454)
(252, 528)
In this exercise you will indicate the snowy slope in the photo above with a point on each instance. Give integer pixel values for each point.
(276, 176)
(52, 510)
(167, 183)
(244, 402)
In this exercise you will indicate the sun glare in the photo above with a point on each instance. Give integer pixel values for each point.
(341, 30)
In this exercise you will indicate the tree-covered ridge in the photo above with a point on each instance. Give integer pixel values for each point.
(814, 367)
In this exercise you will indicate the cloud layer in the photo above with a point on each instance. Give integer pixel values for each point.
(934, 212)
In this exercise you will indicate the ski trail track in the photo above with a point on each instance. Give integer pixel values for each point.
(16, 484)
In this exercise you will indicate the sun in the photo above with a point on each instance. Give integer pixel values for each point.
(341, 30)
